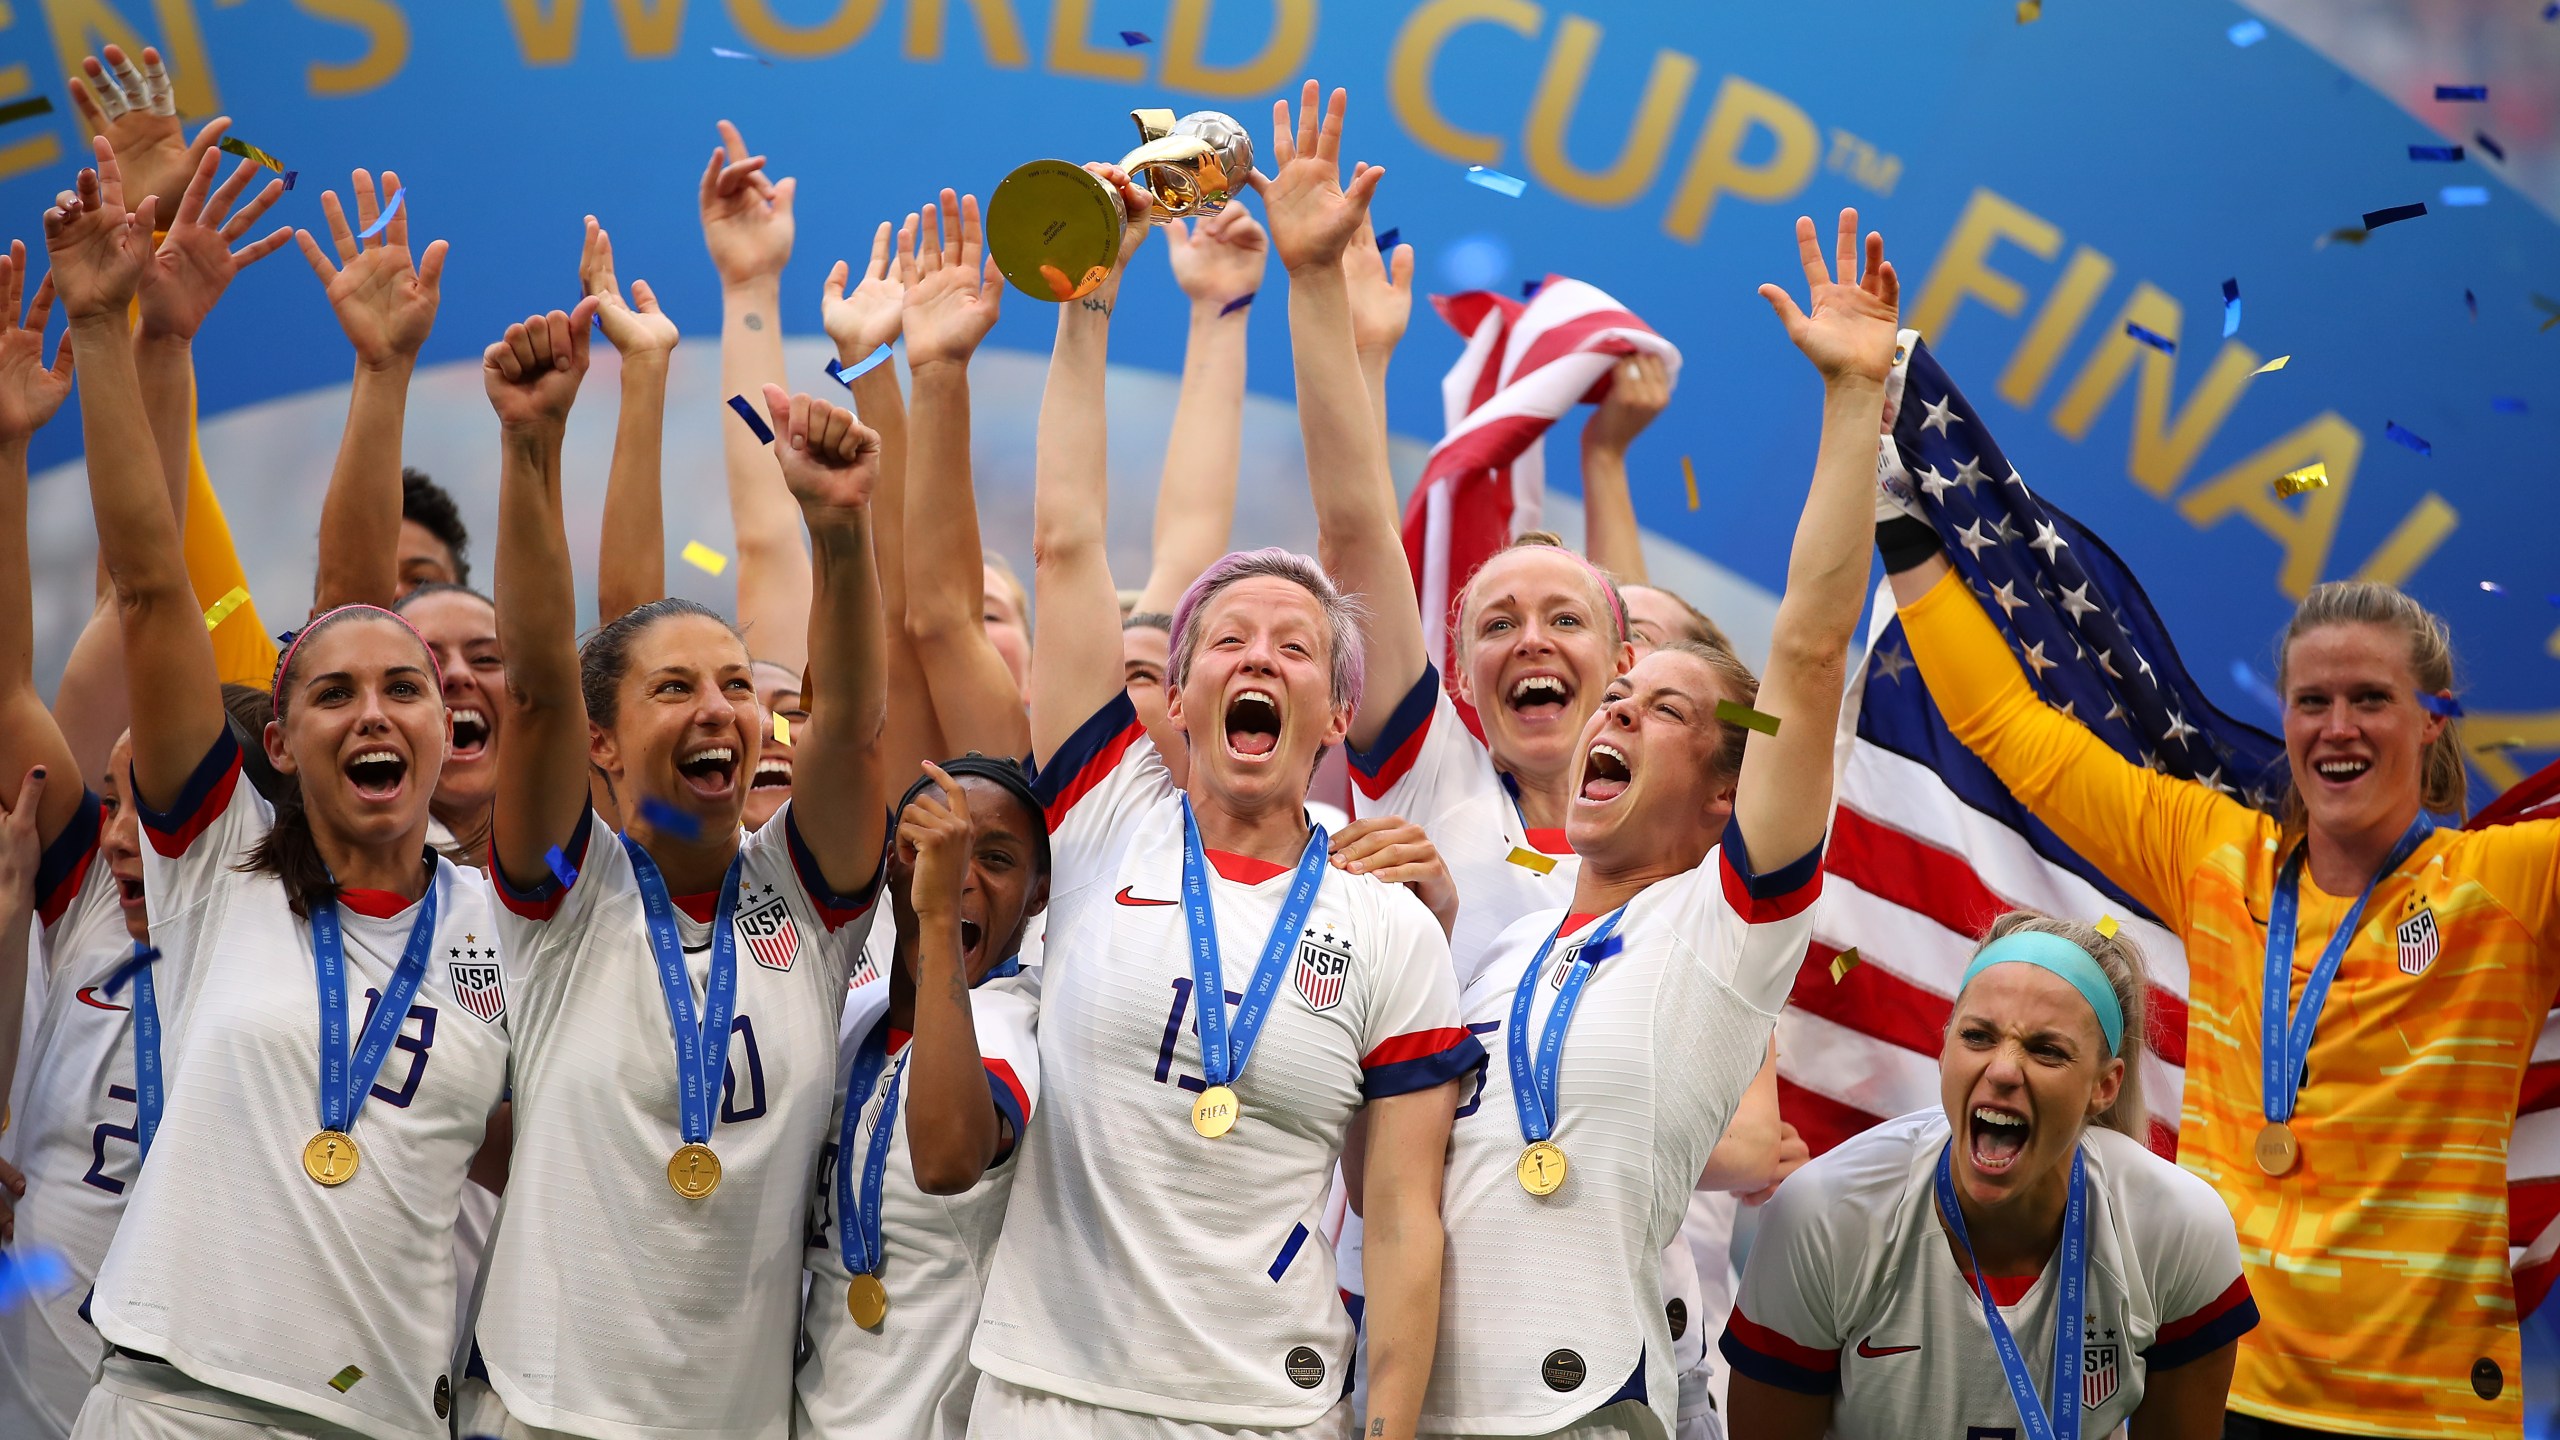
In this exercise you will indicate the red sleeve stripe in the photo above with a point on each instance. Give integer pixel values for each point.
(1011, 1101)
(542, 901)
(1774, 1359)
(1400, 743)
(206, 794)
(2231, 1314)
(2232, 1297)
(1413, 1046)
(1001, 1072)
(64, 865)
(1778, 895)
(834, 911)
(1089, 755)
(1419, 1061)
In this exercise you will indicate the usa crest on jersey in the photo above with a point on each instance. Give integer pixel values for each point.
(479, 984)
(766, 927)
(2099, 1373)
(2419, 941)
(1323, 963)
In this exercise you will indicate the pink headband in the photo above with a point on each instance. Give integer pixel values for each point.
(284, 662)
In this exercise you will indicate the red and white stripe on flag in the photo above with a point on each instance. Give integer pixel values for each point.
(1914, 874)
(1525, 365)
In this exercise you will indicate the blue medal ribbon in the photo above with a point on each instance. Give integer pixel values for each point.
(150, 1093)
(2071, 1308)
(2284, 1046)
(1225, 1048)
(858, 1213)
(702, 1047)
(1534, 1067)
(346, 1079)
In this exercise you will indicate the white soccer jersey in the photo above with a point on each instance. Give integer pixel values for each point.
(1706, 1231)
(1430, 769)
(1853, 1291)
(1142, 1266)
(614, 1307)
(911, 1377)
(1552, 1308)
(231, 1263)
(72, 1127)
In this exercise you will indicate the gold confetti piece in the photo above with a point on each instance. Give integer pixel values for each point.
(224, 608)
(1746, 717)
(2272, 366)
(782, 729)
(1531, 860)
(345, 1380)
(2030, 11)
(251, 153)
(1689, 472)
(702, 557)
(2505, 742)
(2314, 476)
(1843, 963)
(2107, 926)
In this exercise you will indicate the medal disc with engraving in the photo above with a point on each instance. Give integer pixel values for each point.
(2278, 1150)
(1542, 1168)
(1216, 1111)
(330, 1158)
(694, 1171)
(867, 1300)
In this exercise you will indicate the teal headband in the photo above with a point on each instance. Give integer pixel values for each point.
(2051, 952)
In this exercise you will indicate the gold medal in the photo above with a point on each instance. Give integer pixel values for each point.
(1216, 1111)
(330, 1158)
(867, 1300)
(694, 1171)
(2278, 1150)
(1541, 1168)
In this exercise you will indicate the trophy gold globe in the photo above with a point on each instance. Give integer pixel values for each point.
(1055, 228)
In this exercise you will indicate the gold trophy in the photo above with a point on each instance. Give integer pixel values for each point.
(1055, 228)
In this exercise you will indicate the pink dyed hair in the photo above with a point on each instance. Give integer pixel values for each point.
(1341, 613)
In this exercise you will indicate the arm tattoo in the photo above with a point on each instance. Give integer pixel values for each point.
(1377, 1427)
(1096, 304)
(755, 321)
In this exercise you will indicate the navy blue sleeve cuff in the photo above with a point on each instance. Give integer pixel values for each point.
(199, 800)
(541, 899)
(834, 909)
(1410, 714)
(65, 862)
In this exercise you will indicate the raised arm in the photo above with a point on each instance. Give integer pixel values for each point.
(532, 377)
(953, 295)
(1217, 268)
(1381, 305)
(631, 556)
(21, 852)
(30, 393)
(954, 1131)
(831, 461)
(1782, 799)
(1313, 221)
(1639, 389)
(387, 305)
(748, 227)
(1075, 669)
(100, 252)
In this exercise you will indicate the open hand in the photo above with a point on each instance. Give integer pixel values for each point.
(1398, 852)
(1639, 390)
(933, 841)
(532, 373)
(1313, 218)
(746, 216)
(99, 249)
(868, 317)
(30, 393)
(195, 261)
(953, 290)
(386, 304)
(1381, 287)
(644, 330)
(1222, 259)
(830, 460)
(136, 108)
(1849, 325)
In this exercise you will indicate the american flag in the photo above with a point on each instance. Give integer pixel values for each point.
(1927, 846)
(1525, 365)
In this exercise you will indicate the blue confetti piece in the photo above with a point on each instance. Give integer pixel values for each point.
(2255, 686)
(31, 1274)
(2481, 139)
(2460, 195)
(2407, 437)
(1388, 241)
(2551, 11)
(2230, 308)
(383, 220)
(741, 55)
(1236, 304)
(1135, 38)
(290, 176)
(664, 816)
(2440, 705)
(143, 955)
(755, 422)
(561, 869)
(2462, 92)
(1530, 288)
(837, 372)
(2156, 341)
(2471, 303)
(2247, 33)
(1497, 182)
(1594, 954)
(2435, 152)
(2392, 215)
(2507, 404)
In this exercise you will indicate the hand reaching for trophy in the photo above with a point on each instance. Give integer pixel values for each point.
(1311, 216)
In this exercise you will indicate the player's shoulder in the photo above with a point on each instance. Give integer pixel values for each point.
(1860, 1188)
(2154, 1195)
(1004, 1005)
(1390, 914)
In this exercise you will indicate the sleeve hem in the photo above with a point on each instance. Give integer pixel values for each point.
(1400, 743)
(2232, 1314)
(65, 862)
(1819, 1378)
(1420, 1061)
(1012, 1102)
(1778, 895)
(542, 900)
(1088, 755)
(834, 910)
(203, 797)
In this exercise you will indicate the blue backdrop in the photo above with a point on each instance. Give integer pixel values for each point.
(2041, 184)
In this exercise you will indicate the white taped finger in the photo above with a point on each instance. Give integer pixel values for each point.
(129, 79)
(110, 99)
(162, 92)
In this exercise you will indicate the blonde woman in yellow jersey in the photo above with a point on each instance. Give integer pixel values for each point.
(2371, 1203)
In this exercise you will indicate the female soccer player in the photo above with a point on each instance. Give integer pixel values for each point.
(2348, 951)
(903, 1231)
(1156, 1276)
(678, 986)
(2014, 1262)
(284, 1260)
(1627, 1029)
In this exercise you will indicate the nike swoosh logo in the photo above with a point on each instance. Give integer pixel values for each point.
(1868, 1351)
(88, 995)
(1125, 898)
